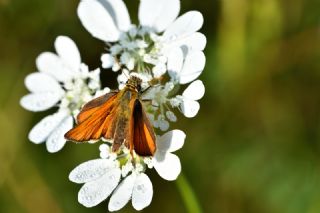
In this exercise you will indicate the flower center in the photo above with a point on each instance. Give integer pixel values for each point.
(77, 93)
(80, 89)
(139, 50)
(125, 160)
(159, 110)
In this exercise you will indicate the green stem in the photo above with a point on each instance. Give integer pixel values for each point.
(188, 196)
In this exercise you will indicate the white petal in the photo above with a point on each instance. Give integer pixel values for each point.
(36, 102)
(190, 108)
(193, 66)
(90, 170)
(122, 194)
(175, 62)
(56, 140)
(194, 91)
(107, 61)
(167, 165)
(158, 14)
(44, 128)
(41, 82)
(195, 41)
(171, 141)
(103, 147)
(123, 77)
(104, 151)
(163, 125)
(142, 192)
(171, 116)
(119, 12)
(94, 192)
(96, 19)
(68, 52)
(51, 64)
(184, 26)
(159, 70)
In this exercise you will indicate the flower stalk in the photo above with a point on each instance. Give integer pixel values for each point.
(188, 195)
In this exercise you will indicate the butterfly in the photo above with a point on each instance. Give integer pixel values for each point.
(119, 117)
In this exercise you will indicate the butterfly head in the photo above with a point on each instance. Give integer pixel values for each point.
(134, 82)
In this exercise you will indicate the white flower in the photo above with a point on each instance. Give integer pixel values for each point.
(61, 82)
(137, 187)
(162, 123)
(46, 92)
(163, 100)
(158, 110)
(105, 151)
(188, 101)
(167, 164)
(184, 67)
(64, 65)
(52, 129)
(160, 44)
(101, 177)
(144, 48)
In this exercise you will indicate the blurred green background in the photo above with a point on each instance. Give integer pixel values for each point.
(255, 144)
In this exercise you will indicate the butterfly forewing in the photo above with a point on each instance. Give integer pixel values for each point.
(143, 134)
(93, 105)
(92, 117)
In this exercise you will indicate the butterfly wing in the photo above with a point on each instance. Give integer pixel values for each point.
(115, 116)
(89, 108)
(94, 118)
(143, 140)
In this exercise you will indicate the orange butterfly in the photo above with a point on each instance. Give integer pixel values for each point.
(118, 116)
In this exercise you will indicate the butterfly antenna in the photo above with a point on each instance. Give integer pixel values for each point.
(128, 76)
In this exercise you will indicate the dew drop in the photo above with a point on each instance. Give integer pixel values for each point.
(173, 37)
(141, 188)
(112, 177)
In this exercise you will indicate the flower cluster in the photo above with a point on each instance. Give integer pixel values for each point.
(62, 82)
(101, 177)
(165, 52)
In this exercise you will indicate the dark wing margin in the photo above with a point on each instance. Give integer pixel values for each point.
(144, 140)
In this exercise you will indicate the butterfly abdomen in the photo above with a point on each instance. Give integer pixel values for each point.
(122, 127)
